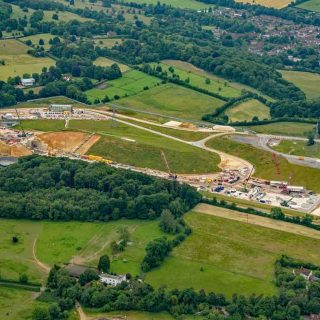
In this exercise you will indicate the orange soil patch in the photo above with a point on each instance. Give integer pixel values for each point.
(88, 144)
(64, 141)
(14, 151)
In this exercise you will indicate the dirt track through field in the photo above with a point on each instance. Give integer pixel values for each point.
(42, 265)
(258, 221)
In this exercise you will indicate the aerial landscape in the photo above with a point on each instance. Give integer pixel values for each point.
(159, 159)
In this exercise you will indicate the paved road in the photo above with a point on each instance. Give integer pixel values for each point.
(233, 162)
(261, 142)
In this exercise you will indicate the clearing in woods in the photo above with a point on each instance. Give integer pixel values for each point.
(264, 164)
(278, 4)
(106, 62)
(247, 110)
(308, 82)
(312, 5)
(18, 62)
(239, 256)
(173, 100)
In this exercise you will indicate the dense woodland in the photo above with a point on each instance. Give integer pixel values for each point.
(296, 297)
(61, 189)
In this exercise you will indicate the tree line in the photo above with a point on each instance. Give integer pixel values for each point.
(61, 189)
(296, 297)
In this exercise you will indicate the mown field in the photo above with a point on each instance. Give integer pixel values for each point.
(264, 165)
(308, 82)
(17, 61)
(218, 86)
(269, 3)
(173, 100)
(247, 110)
(133, 146)
(131, 82)
(298, 148)
(237, 257)
(296, 129)
(312, 5)
(105, 62)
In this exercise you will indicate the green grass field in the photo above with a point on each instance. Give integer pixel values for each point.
(298, 148)
(312, 5)
(247, 110)
(64, 16)
(218, 86)
(237, 257)
(17, 61)
(264, 165)
(35, 39)
(184, 4)
(296, 129)
(173, 100)
(182, 134)
(234, 86)
(84, 243)
(308, 82)
(105, 62)
(131, 82)
(133, 146)
(129, 315)
(17, 304)
(59, 243)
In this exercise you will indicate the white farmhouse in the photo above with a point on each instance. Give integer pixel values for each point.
(28, 82)
(111, 279)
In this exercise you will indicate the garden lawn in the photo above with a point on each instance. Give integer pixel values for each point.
(237, 257)
(174, 101)
(264, 164)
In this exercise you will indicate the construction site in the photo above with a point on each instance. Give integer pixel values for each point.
(235, 180)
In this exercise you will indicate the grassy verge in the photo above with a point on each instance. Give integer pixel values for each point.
(298, 148)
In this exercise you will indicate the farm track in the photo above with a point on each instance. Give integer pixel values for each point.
(258, 221)
(40, 264)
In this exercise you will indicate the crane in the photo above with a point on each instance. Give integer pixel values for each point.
(171, 175)
(18, 116)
